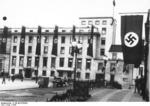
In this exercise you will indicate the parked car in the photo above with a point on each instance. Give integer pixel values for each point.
(58, 82)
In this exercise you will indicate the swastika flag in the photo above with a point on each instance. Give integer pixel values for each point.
(131, 38)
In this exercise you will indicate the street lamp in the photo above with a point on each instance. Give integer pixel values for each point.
(75, 49)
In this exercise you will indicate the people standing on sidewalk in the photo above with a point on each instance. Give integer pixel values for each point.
(136, 84)
(3, 81)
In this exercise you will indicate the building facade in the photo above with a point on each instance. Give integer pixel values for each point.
(46, 64)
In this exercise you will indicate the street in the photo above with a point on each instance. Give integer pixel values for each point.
(42, 94)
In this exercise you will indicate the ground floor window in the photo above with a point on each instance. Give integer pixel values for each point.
(44, 73)
(87, 75)
(52, 73)
(78, 74)
(12, 71)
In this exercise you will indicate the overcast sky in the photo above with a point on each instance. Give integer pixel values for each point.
(49, 13)
(62, 12)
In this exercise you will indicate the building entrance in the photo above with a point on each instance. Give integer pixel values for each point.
(28, 73)
(100, 78)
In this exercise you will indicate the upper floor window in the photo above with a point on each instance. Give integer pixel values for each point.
(102, 41)
(100, 66)
(104, 31)
(62, 50)
(29, 60)
(83, 22)
(88, 64)
(36, 61)
(14, 49)
(63, 39)
(46, 39)
(90, 22)
(70, 61)
(13, 60)
(21, 61)
(45, 49)
(97, 22)
(30, 39)
(61, 62)
(29, 49)
(15, 39)
(104, 22)
(53, 62)
(79, 63)
(102, 52)
(44, 61)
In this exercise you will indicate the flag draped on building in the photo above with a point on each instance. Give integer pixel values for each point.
(22, 41)
(3, 42)
(38, 45)
(131, 37)
(55, 41)
(73, 40)
(90, 43)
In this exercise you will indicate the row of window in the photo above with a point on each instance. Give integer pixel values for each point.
(53, 62)
(52, 74)
(92, 22)
(62, 50)
(46, 39)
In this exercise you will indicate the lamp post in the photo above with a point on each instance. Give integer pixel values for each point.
(75, 51)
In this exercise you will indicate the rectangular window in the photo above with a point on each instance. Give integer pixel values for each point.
(36, 61)
(70, 61)
(30, 39)
(90, 22)
(83, 22)
(97, 22)
(88, 64)
(62, 50)
(44, 61)
(46, 39)
(80, 51)
(87, 75)
(61, 62)
(14, 49)
(104, 22)
(102, 41)
(104, 31)
(60, 74)
(102, 52)
(20, 71)
(69, 75)
(29, 49)
(53, 62)
(78, 74)
(63, 39)
(12, 71)
(21, 61)
(29, 60)
(100, 66)
(80, 40)
(35, 72)
(44, 73)
(79, 63)
(112, 66)
(15, 39)
(52, 73)
(13, 60)
(45, 49)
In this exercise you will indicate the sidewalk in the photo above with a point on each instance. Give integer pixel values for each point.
(18, 84)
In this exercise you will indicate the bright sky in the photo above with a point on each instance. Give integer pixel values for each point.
(48, 13)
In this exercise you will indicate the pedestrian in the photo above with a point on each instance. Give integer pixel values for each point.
(21, 77)
(136, 84)
(4, 81)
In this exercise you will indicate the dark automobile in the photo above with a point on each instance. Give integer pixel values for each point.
(58, 82)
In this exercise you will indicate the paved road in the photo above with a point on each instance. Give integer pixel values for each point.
(114, 95)
(30, 95)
